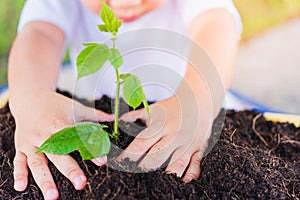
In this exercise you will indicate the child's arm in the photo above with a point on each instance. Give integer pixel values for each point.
(172, 131)
(216, 32)
(38, 110)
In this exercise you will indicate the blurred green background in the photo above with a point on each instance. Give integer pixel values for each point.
(257, 16)
(9, 15)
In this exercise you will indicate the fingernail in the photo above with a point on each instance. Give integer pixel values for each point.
(51, 194)
(78, 182)
(102, 160)
(19, 185)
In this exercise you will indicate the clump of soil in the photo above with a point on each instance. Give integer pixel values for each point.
(253, 158)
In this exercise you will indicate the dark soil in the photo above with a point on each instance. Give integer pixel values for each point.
(252, 159)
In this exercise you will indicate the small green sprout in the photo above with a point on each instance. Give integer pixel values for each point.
(90, 138)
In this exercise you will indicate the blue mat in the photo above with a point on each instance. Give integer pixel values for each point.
(236, 101)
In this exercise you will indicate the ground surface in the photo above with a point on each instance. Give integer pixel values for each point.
(253, 158)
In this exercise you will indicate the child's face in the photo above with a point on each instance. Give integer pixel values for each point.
(127, 10)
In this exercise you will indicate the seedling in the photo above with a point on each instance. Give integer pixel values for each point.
(91, 138)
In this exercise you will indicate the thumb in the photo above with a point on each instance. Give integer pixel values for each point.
(84, 113)
(103, 117)
(132, 116)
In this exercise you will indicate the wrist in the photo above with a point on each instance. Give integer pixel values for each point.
(21, 98)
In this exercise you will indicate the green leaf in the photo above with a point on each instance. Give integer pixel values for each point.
(125, 76)
(91, 59)
(89, 138)
(107, 15)
(117, 24)
(146, 106)
(102, 28)
(115, 58)
(133, 92)
(111, 22)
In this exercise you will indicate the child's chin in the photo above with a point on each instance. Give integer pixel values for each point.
(128, 19)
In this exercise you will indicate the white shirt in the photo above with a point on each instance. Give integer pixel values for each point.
(154, 46)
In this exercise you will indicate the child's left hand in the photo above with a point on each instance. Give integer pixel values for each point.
(174, 132)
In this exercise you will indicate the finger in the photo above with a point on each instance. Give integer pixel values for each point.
(100, 161)
(143, 142)
(70, 169)
(193, 171)
(84, 113)
(179, 162)
(42, 175)
(158, 154)
(103, 117)
(158, 115)
(20, 171)
(132, 116)
(148, 137)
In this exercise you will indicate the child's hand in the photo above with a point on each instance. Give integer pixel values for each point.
(174, 131)
(38, 115)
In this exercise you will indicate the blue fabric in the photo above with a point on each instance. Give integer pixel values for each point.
(3, 88)
(251, 104)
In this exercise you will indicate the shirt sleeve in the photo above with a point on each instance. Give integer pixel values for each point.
(61, 13)
(191, 8)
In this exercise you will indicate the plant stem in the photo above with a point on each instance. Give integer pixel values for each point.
(113, 39)
(116, 120)
(116, 115)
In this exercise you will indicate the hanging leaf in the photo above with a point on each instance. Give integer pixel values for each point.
(125, 76)
(115, 58)
(146, 106)
(132, 91)
(89, 138)
(91, 59)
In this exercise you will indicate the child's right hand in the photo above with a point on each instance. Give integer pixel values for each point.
(38, 115)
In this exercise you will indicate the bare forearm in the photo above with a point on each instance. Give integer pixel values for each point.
(215, 32)
(35, 59)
